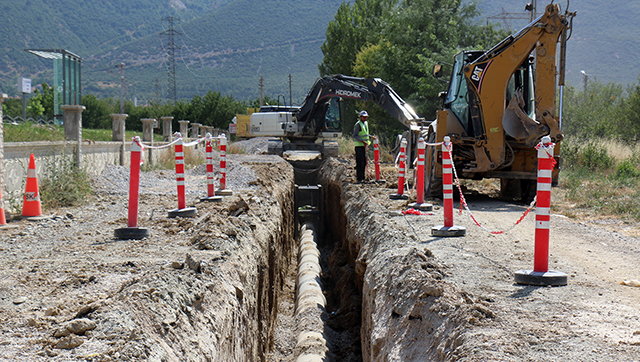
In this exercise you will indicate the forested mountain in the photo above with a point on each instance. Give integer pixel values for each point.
(226, 45)
(223, 45)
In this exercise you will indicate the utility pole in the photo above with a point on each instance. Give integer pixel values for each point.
(261, 91)
(532, 8)
(124, 84)
(504, 16)
(585, 80)
(171, 47)
(290, 93)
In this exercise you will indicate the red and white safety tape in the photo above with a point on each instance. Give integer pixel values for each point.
(463, 203)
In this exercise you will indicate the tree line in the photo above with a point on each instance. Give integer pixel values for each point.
(212, 109)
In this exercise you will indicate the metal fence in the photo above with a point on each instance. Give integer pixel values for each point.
(18, 120)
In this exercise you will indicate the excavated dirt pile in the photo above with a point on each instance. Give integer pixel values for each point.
(198, 289)
(429, 298)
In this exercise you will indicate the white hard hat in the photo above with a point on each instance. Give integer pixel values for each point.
(364, 113)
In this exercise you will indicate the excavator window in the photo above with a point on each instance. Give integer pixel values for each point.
(457, 96)
(523, 81)
(332, 116)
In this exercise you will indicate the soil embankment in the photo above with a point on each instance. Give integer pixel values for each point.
(199, 289)
(221, 286)
(455, 299)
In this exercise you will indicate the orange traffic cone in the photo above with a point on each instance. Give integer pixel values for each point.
(3, 219)
(31, 205)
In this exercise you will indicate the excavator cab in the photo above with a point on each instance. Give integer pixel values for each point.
(520, 98)
(457, 97)
(333, 116)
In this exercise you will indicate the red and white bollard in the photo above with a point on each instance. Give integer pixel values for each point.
(132, 231)
(223, 167)
(211, 193)
(540, 275)
(448, 229)
(182, 210)
(376, 159)
(401, 172)
(420, 204)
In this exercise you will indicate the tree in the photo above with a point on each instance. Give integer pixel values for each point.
(352, 27)
(605, 113)
(401, 45)
(12, 107)
(96, 114)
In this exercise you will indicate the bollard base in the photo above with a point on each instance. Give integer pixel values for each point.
(422, 206)
(225, 192)
(131, 233)
(215, 198)
(186, 212)
(36, 218)
(445, 231)
(398, 197)
(550, 278)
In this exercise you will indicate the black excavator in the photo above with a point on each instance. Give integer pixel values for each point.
(320, 116)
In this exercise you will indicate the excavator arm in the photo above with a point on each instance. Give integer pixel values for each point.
(342, 86)
(488, 77)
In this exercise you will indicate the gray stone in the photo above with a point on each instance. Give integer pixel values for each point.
(75, 326)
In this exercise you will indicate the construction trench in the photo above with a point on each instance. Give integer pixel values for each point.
(246, 280)
(344, 254)
(297, 265)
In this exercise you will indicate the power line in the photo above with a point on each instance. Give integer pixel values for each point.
(171, 47)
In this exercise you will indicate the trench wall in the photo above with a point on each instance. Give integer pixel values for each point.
(221, 305)
(409, 311)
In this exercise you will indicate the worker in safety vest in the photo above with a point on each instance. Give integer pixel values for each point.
(362, 141)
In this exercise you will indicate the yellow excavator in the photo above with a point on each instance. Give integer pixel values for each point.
(498, 106)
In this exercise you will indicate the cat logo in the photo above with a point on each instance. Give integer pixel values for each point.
(477, 74)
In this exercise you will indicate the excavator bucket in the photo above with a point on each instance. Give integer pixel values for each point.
(518, 125)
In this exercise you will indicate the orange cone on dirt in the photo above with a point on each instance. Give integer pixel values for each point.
(3, 219)
(31, 205)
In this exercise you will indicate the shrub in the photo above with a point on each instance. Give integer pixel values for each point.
(64, 185)
(626, 170)
(590, 155)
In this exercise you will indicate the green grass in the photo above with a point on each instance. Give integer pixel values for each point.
(31, 132)
(599, 178)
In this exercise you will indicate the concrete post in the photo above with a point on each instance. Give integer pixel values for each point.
(184, 126)
(167, 128)
(72, 118)
(195, 130)
(118, 123)
(118, 126)
(147, 134)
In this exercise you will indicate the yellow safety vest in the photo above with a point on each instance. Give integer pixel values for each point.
(364, 134)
